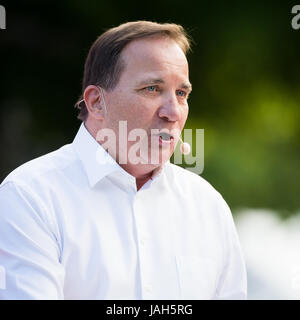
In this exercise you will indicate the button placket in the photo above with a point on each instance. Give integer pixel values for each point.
(142, 246)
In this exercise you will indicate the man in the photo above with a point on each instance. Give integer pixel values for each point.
(88, 221)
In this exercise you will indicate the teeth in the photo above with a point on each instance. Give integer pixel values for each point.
(165, 136)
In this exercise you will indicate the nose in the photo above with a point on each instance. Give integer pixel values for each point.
(170, 109)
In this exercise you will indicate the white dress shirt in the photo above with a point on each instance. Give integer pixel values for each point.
(74, 226)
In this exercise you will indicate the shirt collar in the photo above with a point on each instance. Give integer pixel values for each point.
(97, 162)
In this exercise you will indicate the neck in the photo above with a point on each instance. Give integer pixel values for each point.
(142, 173)
(141, 181)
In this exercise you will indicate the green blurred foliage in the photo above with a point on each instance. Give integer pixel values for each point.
(244, 68)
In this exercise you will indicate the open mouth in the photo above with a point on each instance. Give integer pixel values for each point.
(165, 137)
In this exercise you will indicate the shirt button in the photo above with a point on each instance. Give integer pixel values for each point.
(142, 242)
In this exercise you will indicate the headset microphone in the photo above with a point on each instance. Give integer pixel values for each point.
(99, 107)
(185, 147)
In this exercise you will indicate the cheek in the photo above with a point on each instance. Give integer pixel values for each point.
(135, 110)
(141, 110)
(184, 117)
(121, 108)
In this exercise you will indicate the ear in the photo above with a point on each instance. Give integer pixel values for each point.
(93, 102)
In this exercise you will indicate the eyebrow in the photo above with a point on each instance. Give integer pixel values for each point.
(186, 86)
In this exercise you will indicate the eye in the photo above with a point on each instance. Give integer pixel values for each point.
(181, 93)
(151, 88)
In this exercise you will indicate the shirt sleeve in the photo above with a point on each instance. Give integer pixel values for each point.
(29, 251)
(232, 284)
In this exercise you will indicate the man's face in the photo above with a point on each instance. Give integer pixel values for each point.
(151, 93)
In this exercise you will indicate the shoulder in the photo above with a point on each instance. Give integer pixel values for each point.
(201, 194)
(41, 168)
(26, 192)
(189, 181)
(197, 191)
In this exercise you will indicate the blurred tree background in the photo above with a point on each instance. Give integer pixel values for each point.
(244, 68)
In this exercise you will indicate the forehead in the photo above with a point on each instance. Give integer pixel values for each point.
(162, 56)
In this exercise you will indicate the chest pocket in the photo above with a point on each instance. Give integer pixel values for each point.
(197, 277)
